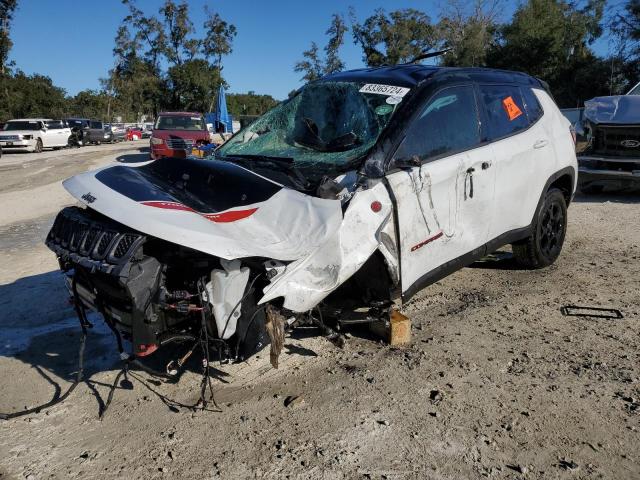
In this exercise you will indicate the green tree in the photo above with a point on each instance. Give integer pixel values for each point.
(218, 40)
(249, 103)
(7, 7)
(192, 84)
(313, 65)
(179, 27)
(551, 39)
(34, 96)
(395, 37)
(134, 85)
(624, 26)
(469, 30)
(161, 63)
(89, 104)
(149, 36)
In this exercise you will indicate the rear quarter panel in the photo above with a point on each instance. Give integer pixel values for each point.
(559, 132)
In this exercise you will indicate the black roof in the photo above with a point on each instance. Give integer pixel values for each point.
(398, 75)
(411, 75)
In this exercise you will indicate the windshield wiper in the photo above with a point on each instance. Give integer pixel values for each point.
(286, 165)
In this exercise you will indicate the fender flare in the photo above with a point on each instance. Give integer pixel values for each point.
(571, 171)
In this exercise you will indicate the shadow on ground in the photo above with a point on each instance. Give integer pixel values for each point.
(143, 156)
(39, 328)
(499, 260)
(613, 197)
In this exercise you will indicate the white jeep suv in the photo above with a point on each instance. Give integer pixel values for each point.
(34, 134)
(344, 200)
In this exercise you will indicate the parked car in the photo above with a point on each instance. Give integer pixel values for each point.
(134, 134)
(147, 131)
(360, 190)
(176, 133)
(60, 130)
(98, 133)
(118, 132)
(610, 157)
(79, 129)
(34, 134)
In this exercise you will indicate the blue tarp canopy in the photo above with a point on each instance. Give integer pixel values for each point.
(221, 118)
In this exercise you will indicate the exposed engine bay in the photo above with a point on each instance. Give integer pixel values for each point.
(162, 261)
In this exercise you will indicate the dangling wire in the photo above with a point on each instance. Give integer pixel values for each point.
(204, 343)
(84, 323)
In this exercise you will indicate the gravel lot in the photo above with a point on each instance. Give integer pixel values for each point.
(496, 382)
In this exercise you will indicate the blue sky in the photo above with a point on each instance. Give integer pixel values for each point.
(71, 41)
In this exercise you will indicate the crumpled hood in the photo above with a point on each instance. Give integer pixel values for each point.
(619, 109)
(212, 206)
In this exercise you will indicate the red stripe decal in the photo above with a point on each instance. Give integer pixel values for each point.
(223, 217)
(230, 216)
(428, 240)
(168, 205)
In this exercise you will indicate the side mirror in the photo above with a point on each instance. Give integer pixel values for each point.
(410, 162)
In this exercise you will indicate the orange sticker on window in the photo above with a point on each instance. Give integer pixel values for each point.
(513, 111)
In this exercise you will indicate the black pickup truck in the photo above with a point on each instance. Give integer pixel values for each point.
(610, 156)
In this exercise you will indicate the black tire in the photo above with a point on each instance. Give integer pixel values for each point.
(543, 247)
(38, 147)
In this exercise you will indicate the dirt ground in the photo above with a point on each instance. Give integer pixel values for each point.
(496, 382)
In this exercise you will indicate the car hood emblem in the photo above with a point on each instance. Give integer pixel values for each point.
(630, 143)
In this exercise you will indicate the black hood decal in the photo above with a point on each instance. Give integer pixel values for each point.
(202, 185)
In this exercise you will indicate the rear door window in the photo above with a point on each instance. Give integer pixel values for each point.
(447, 124)
(505, 109)
(55, 124)
(532, 105)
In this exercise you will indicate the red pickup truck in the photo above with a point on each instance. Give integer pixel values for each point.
(176, 133)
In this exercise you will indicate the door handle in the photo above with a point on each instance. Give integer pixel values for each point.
(540, 144)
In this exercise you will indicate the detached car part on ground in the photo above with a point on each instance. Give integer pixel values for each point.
(610, 157)
(344, 200)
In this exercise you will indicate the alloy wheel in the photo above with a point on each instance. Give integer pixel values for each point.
(552, 230)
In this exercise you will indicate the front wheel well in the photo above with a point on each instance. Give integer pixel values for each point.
(564, 183)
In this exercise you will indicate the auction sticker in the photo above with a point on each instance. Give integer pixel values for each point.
(388, 90)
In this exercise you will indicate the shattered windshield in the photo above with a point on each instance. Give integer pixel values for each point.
(324, 127)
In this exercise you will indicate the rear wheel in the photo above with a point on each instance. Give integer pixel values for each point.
(543, 247)
(38, 147)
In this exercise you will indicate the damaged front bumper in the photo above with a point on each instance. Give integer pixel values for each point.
(158, 266)
(614, 172)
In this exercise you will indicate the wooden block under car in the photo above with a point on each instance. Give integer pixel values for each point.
(395, 331)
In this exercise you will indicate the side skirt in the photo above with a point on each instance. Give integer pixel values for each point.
(465, 260)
